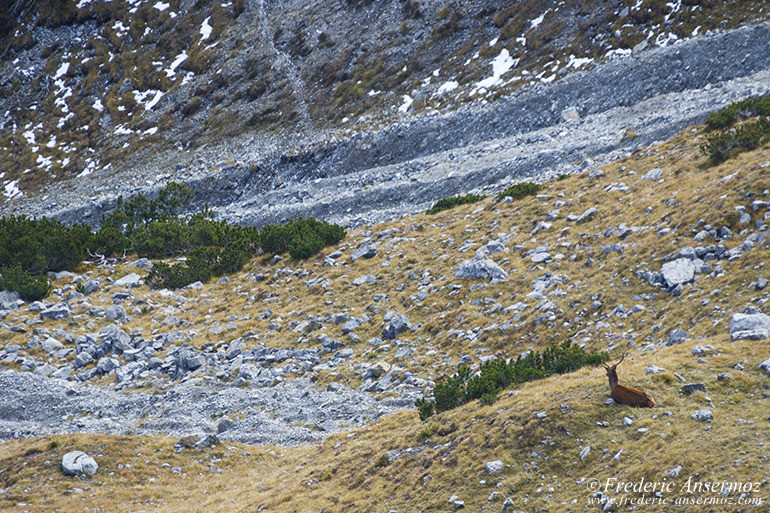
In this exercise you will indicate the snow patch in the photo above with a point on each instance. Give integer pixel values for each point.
(161, 6)
(179, 59)
(63, 69)
(98, 105)
(206, 29)
(12, 190)
(537, 21)
(448, 87)
(500, 66)
(407, 103)
(143, 97)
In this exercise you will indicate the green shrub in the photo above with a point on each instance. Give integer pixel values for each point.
(30, 288)
(497, 375)
(301, 238)
(447, 203)
(520, 190)
(41, 245)
(725, 144)
(744, 109)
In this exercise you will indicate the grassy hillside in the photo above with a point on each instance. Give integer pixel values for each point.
(404, 464)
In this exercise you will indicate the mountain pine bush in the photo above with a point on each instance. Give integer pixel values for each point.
(447, 203)
(496, 375)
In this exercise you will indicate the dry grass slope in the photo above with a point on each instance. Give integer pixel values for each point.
(404, 464)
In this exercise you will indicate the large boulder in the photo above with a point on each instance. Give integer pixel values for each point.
(397, 325)
(365, 251)
(750, 326)
(482, 268)
(8, 300)
(78, 463)
(56, 312)
(678, 272)
(129, 280)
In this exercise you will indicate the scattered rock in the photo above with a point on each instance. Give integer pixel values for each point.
(676, 336)
(749, 326)
(78, 463)
(494, 466)
(397, 325)
(482, 268)
(56, 312)
(693, 387)
(365, 251)
(679, 272)
(703, 415)
(653, 174)
(129, 280)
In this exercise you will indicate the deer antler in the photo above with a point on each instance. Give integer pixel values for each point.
(623, 358)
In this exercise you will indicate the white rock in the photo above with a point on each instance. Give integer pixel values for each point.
(78, 463)
(494, 466)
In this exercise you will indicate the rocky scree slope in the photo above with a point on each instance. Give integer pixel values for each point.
(205, 80)
(652, 251)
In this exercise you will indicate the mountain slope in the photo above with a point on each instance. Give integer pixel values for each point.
(581, 259)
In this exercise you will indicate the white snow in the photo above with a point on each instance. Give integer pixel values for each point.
(574, 62)
(98, 105)
(151, 131)
(537, 21)
(448, 87)
(119, 27)
(206, 29)
(29, 135)
(493, 42)
(522, 40)
(90, 168)
(12, 190)
(63, 69)
(161, 6)
(407, 103)
(500, 66)
(179, 59)
(52, 142)
(83, 3)
(143, 96)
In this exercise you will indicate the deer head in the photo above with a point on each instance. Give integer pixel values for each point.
(612, 372)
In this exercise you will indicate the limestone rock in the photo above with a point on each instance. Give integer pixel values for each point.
(482, 268)
(750, 326)
(78, 463)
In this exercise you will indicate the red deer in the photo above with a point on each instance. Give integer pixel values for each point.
(621, 394)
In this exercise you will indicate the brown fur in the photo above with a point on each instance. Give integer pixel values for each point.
(622, 394)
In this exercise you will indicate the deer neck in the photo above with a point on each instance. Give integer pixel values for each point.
(613, 379)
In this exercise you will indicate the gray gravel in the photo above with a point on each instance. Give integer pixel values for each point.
(289, 413)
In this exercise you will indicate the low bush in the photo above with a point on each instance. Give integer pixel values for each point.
(744, 109)
(447, 203)
(30, 288)
(301, 238)
(497, 375)
(726, 144)
(40, 245)
(520, 190)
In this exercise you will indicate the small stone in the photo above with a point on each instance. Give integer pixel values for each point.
(627, 421)
(494, 466)
(676, 336)
(584, 452)
(693, 387)
(365, 251)
(724, 376)
(653, 174)
(703, 415)
(674, 471)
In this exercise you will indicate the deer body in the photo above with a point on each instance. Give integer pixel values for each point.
(622, 394)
